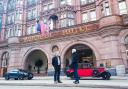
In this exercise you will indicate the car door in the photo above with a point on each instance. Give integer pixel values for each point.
(13, 74)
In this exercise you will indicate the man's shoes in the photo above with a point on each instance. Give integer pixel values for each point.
(59, 82)
(55, 82)
(76, 82)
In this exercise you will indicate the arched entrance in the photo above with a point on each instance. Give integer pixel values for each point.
(86, 56)
(36, 62)
(4, 63)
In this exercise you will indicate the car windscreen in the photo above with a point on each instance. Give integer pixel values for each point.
(13, 71)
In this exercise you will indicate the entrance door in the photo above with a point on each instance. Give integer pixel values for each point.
(86, 56)
(37, 63)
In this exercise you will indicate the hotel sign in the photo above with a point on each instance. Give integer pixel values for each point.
(61, 33)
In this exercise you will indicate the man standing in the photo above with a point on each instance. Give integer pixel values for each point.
(56, 62)
(74, 64)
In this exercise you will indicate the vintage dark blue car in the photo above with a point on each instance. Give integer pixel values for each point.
(18, 74)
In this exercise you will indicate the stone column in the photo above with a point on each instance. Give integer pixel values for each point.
(98, 10)
(15, 55)
(50, 67)
(127, 4)
(114, 7)
(111, 54)
(78, 12)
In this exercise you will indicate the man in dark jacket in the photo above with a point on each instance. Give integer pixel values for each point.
(74, 64)
(56, 62)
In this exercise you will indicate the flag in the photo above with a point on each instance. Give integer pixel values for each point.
(43, 28)
(38, 27)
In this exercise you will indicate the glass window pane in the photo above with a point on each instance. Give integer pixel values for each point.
(69, 2)
(107, 12)
(45, 8)
(62, 2)
(93, 15)
(50, 6)
(122, 7)
(84, 18)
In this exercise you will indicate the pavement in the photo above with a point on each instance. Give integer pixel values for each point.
(117, 82)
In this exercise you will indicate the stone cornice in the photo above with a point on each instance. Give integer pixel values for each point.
(110, 30)
(79, 29)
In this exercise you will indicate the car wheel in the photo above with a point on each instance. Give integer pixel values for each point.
(29, 78)
(95, 73)
(16, 78)
(106, 76)
(7, 77)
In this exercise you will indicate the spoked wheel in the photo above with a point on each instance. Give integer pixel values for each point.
(106, 76)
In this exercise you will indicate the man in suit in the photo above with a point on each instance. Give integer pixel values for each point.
(74, 64)
(56, 62)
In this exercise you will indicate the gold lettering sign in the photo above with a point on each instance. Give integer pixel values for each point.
(61, 33)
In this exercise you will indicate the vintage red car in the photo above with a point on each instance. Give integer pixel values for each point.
(90, 72)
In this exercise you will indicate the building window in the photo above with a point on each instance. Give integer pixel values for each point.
(9, 32)
(89, 16)
(44, 19)
(18, 15)
(19, 2)
(83, 2)
(32, 14)
(5, 59)
(85, 17)
(10, 19)
(92, 15)
(11, 5)
(65, 2)
(18, 31)
(31, 2)
(67, 19)
(1, 7)
(105, 9)
(31, 29)
(0, 23)
(122, 7)
(126, 40)
(48, 6)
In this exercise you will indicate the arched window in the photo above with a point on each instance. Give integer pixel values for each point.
(5, 58)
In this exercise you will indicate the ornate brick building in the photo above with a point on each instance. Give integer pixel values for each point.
(98, 29)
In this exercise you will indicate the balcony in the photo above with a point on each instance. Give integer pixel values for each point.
(111, 20)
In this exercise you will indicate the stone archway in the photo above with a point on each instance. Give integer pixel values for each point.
(86, 44)
(36, 62)
(86, 56)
